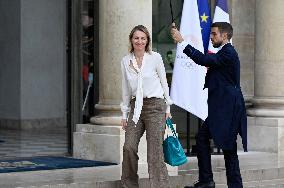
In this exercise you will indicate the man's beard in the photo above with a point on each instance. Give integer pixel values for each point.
(217, 44)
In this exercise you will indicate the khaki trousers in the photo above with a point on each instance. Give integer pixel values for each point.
(152, 120)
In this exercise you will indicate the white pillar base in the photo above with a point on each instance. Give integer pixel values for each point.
(103, 143)
(266, 134)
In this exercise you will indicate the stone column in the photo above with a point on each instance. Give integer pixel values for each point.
(266, 121)
(243, 20)
(117, 18)
(103, 139)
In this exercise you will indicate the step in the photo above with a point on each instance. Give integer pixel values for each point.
(257, 169)
(252, 179)
(145, 184)
(266, 184)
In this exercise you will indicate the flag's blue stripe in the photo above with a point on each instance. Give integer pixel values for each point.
(223, 5)
(203, 8)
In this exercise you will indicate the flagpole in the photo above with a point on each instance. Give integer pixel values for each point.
(172, 11)
(188, 152)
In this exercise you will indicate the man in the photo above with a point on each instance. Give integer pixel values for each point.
(226, 108)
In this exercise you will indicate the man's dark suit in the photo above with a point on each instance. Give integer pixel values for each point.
(226, 111)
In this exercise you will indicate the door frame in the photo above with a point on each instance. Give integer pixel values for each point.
(74, 67)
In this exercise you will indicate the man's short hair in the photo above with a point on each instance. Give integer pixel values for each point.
(224, 27)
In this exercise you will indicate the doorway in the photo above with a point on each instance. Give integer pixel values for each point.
(82, 64)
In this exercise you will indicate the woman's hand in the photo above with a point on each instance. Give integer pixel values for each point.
(123, 123)
(168, 115)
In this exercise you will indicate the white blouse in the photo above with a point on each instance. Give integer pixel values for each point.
(145, 82)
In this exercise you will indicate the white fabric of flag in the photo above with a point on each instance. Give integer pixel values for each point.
(188, 78)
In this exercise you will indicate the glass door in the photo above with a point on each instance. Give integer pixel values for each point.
(83, 62)
(87, 51)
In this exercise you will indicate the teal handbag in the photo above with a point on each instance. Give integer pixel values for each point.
(173, 151)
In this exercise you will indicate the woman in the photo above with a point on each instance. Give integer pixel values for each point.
(145, 96)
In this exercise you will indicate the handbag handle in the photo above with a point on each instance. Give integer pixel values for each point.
(169, 123)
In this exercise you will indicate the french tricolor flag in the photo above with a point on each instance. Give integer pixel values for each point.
(221, 15)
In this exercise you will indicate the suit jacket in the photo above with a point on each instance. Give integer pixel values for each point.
(226, 107)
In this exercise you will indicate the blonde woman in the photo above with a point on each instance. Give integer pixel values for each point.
(145, 107)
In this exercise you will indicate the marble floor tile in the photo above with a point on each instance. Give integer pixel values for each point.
(16, 143)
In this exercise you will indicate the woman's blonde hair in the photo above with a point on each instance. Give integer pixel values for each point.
(144, 30)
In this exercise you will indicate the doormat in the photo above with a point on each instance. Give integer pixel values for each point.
(47, 163)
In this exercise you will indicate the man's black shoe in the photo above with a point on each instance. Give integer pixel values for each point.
(210, 184)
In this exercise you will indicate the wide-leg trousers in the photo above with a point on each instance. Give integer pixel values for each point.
(152, 120)
(234, 179)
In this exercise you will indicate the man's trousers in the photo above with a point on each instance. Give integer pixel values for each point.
(234, 179)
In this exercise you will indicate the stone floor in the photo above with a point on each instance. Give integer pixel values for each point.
(15, 143)
(263, 170)
(258, 170)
